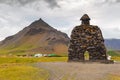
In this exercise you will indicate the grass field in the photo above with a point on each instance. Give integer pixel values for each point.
(31, 60)
(41, 59)
(23, 68)
(16, 68)
(22, 72)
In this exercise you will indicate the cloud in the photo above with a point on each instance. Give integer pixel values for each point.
(111, 1)
(53, 3)
(117, 0)
(63, 15)
(17, 2)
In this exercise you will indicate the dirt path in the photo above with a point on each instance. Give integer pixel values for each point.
(79, 71)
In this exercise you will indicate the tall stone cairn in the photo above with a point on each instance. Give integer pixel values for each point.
(86, 37)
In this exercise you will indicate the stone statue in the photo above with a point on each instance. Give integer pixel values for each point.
(86, 37)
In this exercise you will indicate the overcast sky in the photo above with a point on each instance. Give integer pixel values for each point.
(60, 14)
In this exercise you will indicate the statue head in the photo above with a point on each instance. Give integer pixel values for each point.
(85, 19)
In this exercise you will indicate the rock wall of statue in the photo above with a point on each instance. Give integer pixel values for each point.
(86, 38)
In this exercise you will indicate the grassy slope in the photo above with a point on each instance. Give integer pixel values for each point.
(22, 72)
(32, 42)
(23, 49)
(114, 53)
(11, 49)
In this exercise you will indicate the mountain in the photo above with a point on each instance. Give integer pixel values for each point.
(113, 44)
(38, 37)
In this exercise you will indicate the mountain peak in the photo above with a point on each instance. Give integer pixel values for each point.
(40, 24)
(41, 20)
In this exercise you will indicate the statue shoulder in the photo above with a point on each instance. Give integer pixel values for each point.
(77, 27)
(95, 27)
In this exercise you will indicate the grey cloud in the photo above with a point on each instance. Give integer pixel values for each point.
(117, 0)
(112, 1)
(23, 2)
(106, 2)
(52, 3)
(15, 2)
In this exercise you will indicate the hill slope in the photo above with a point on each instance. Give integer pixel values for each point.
(38, 37)
(113, 44)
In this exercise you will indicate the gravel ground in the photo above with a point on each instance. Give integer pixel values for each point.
(80, 71)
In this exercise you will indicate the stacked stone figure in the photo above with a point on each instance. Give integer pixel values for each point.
(84, 38)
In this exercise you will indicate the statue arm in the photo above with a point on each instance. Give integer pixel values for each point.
(73, 34)
(99, 35)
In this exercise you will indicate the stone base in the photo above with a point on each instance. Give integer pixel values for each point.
(95, 61)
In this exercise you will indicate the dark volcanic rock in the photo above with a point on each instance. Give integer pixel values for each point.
(33, 31)
(89, 38)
